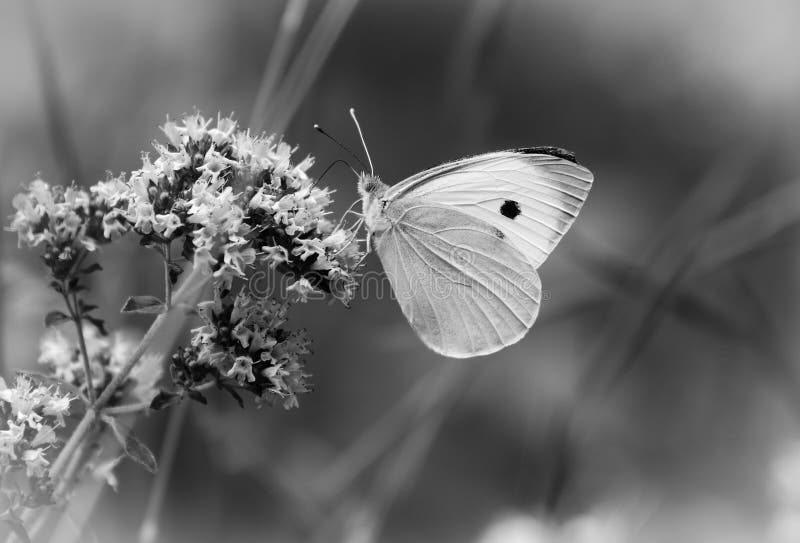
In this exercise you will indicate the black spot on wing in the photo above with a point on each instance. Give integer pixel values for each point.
(552, 151)
(510, 209)
(499, 233)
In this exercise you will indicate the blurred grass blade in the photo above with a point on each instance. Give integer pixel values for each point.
(416, 403)
(707, 200)
(437, 391)
(461, 91)
(55, 111)
(308, 63)
(277, 60)
(756, 224)
(395, 476)
(149, 529)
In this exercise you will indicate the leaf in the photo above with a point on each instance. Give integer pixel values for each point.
(86, 308)
(143, 304)
(55, 317)
(187, 250)
(57, 286)
(99, 323)
(164, 399)
(152, 242)
(133, 447)
(91, 268)
(197, 396)
(235, 395)
(175, 270)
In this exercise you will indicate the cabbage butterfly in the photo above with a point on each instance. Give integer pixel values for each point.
(461, 242)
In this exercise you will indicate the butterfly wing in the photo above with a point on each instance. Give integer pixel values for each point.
(465, 289)
(532, 195)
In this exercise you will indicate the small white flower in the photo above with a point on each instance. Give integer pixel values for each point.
(275, 256)
(143, 217)
(301, 289)
(35, 462)
(242, 369)
(166, 224)
(308, 247)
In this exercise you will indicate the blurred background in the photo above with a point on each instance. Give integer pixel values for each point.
(658, 397)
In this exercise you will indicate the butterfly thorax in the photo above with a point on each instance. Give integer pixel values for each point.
(372, 190)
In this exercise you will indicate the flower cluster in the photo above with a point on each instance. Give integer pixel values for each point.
(67, 220)
(238, 202)
(242, 345)
(30, 414)
(232, 200)
(61, 354)
(235, 204)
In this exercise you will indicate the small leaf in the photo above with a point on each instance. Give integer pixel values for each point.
(235, 395)
(151, 242)
(86, 308)
(57, 286)
(175, 270)
(197, 396)
(143, 304)
(187, 251)
(164, 399)
(55, 317)
(133, 447)
(91, 268)
(99, 323)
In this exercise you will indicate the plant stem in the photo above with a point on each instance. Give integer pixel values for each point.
(167, 279)
(77, 317)
(148, 532)
(191, 283)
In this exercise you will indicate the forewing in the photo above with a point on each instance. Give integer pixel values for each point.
(530, 195)
(463, 287)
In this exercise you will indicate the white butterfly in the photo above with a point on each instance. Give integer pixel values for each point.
(461, 242)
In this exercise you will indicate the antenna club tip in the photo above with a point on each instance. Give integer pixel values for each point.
(352, 110)
(316, 126)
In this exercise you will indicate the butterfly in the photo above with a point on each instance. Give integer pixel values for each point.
(461, 243)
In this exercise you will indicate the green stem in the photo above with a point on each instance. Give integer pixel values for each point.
(167, 279)
(77, 317)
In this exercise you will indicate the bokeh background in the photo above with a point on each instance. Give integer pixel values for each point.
(658, 397)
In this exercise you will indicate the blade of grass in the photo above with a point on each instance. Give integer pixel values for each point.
(753, 226)
(666, 262)
(421, 424)
(277, 60)
(418, 401)
(55, 110)
(308, 63)
(149, 529)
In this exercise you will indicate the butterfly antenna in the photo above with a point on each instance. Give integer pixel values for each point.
(334, 163)
(319, 129)
(363, 143)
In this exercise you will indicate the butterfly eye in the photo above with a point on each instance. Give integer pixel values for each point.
(510, 209)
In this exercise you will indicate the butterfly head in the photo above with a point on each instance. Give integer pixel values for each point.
(371, 189)
(370, 186)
